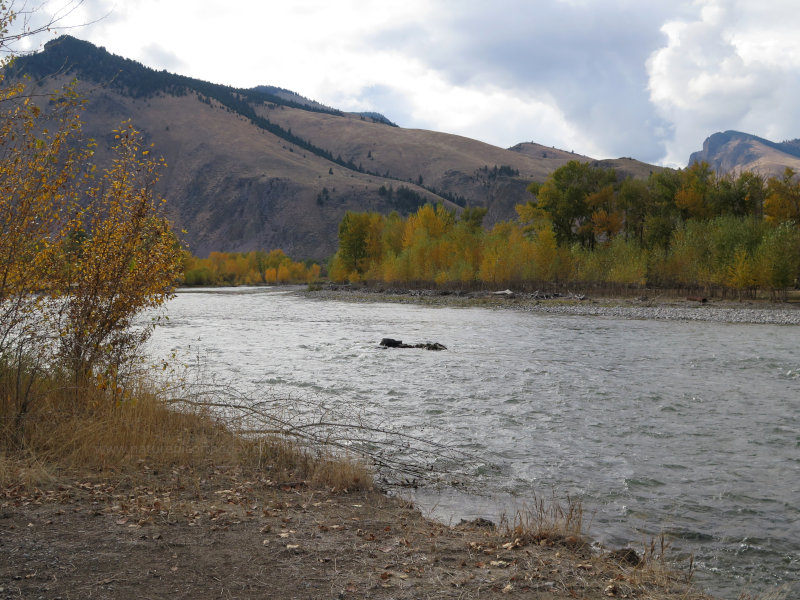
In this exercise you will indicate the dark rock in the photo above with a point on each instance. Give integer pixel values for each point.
(392, 343)
(431, 346)
(625, 555)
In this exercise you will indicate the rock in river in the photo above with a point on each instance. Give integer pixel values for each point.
(392, 343)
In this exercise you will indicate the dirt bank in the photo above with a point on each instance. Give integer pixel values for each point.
(222, 533)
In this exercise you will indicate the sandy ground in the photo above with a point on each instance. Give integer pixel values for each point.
(222, 534)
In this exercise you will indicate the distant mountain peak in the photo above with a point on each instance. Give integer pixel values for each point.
(736, 151)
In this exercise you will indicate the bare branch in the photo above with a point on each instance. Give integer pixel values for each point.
(399, 457)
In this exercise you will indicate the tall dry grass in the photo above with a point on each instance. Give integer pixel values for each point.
(89, 428)
(551, 521)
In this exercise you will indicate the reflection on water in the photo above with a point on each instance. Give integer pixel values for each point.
(690, 429)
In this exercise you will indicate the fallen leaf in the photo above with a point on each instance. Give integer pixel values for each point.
(502, 564)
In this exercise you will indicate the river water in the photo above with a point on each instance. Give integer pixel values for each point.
(690, 429)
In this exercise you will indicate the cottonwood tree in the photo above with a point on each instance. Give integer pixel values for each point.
(125, 261)
(83, 250)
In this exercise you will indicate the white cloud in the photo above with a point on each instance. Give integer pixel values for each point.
(733, 66)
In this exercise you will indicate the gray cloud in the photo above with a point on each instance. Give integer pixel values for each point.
(155, 54)
(588, 57)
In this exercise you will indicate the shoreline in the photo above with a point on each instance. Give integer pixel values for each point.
(660, 308)
(225, 532)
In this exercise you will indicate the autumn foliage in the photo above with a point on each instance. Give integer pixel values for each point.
(247, 268)
(83, 251)
(688, 229)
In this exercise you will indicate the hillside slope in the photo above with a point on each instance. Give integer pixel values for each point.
(734, 152)
(266, 168)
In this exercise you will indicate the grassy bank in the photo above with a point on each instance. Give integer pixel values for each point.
(112, 433)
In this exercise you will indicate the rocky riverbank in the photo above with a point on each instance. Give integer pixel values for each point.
(643, 307)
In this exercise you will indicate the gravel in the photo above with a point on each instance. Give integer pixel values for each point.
(764, 316)
(764, 313)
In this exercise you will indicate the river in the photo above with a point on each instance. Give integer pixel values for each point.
(689, 429)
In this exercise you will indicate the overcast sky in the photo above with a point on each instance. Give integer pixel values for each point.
(649, 79)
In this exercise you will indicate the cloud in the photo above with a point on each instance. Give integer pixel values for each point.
(584, 60)
(731, 65)
(56, 17)
(155, 54)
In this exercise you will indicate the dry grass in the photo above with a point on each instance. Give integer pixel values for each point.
(68, 429)
(552, 521)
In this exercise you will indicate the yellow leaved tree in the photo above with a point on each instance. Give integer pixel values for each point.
(83, 250)
(121, 258)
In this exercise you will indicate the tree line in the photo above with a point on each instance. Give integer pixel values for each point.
(585, 225)
(247, 268)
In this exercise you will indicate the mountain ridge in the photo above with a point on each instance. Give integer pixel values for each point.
(267, 168)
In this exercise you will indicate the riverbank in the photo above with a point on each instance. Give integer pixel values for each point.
(215, 531)
(642, 307)
(148, 498)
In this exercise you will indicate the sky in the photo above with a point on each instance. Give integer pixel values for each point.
(649, 79)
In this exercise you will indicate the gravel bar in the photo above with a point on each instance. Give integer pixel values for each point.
(721, 311)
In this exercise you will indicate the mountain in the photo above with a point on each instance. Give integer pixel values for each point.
(268, 168)
(734, 152)
(554, 158)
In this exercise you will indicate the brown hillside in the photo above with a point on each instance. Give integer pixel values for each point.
(448, 163)
(233, 186)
